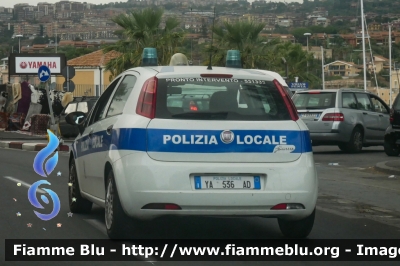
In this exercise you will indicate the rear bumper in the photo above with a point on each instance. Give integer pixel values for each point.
(141, 180)
(339, 132)
(328, 138)
(393, 135)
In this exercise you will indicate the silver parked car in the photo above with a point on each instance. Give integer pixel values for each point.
(349, 118)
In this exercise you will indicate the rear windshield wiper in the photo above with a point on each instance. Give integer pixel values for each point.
(202, 115)
(313, 108)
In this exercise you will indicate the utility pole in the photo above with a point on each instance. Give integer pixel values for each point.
(363, 45)
(56, 36)
(307, 34)
(323, 70)
(191, 39)
(390, 64)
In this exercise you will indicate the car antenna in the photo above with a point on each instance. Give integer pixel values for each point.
(212, 38)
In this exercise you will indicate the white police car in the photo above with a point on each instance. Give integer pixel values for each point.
(235, 148)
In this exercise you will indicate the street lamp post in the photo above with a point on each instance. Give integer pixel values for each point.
(390, 64)
(287, 69)
(19, 42)
(323, 68)
(307, 34)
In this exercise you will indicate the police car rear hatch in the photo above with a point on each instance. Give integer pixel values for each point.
(222, 120)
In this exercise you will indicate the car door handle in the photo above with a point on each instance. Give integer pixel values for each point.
(365, 113)
(109, 130)
(381, 115)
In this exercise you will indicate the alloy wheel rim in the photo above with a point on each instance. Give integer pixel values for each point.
(109, 206)
(358, 140)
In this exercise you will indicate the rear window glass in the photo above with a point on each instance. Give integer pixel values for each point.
(219, 99)
(83, 107)
(320, 100)
(70, 108)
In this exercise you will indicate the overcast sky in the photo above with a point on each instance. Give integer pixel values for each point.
(11, 3)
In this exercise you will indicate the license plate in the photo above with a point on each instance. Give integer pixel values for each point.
(227, 182)
(309, 115)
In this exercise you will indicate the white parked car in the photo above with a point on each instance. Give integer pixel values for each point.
(179, 140)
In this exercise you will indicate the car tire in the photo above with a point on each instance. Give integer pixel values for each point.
(77, 204)
(356, 142)
(343, 147)
(118, 224)
(297, 229)
(391, 149)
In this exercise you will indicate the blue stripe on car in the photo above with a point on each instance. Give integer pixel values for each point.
(152, 140)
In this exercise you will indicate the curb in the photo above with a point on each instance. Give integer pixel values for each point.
(29, 146)
(387, 169)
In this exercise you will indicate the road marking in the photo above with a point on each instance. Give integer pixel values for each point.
(23, 183)
(356, 168)
(357, 183)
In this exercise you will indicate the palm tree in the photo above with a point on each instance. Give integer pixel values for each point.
(297, 60)
(241, 35)
(257, 52)
(140, 29)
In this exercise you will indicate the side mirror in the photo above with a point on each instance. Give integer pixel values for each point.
(76, 119)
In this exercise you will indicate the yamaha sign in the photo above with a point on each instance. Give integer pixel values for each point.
(25, 64)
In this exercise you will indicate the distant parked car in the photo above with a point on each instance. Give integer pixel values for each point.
(392, 136)
(349, 118)
(81, 104)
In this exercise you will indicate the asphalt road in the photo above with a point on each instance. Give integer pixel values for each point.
(355, 202)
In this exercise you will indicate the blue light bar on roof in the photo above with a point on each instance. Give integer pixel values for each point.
(149, 57)
(233, 59)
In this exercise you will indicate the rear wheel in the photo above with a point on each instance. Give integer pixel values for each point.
(297, 229)
(391, 148)
(355, 144)
(118, 224)
(77, 204)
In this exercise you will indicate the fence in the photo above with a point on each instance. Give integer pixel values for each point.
(84, 89)
(346, 83)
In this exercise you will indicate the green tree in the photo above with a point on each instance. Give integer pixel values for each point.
(40, 40)
(140, 29)
(241, 35)
(296, 59)
(298, 33)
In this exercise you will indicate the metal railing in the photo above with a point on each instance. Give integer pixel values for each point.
(84, 89)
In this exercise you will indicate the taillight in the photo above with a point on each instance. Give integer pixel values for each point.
(333, 117)
(391, 115)
(288, 206)
(146, 105)
(288, 102)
